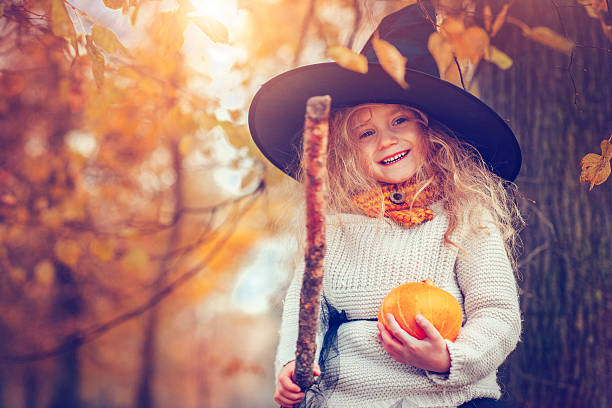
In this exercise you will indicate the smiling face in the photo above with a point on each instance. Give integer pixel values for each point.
(390, 139)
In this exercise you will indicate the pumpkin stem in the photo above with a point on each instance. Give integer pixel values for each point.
(428, 282)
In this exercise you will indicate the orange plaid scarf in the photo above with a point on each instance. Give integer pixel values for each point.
(398, 201)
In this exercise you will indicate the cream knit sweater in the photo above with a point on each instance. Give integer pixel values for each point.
(365, 259)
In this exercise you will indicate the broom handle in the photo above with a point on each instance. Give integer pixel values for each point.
(316, 132)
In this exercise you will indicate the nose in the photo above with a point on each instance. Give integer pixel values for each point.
(386, 139)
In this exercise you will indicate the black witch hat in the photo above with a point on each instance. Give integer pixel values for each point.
(276, 114)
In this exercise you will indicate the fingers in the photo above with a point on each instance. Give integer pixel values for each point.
(428, 328)
(390, 343)
(397, 331)
(288, 399)
(287, 392)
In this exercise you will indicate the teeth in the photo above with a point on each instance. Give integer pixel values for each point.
(394, 158)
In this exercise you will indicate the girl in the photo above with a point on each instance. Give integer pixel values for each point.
(417, 190)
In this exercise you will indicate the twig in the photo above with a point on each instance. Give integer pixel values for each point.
(316, 132)
(79, 338)
(427, 16)
(569, 70)
(460, 73)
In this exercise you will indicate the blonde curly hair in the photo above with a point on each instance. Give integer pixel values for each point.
(472, 195)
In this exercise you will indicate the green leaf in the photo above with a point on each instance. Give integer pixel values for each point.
(97, 62)
(61, 24)
(107, 40)
(114, 4)
(212, 28)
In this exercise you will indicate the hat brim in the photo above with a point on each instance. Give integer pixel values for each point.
(276, 114)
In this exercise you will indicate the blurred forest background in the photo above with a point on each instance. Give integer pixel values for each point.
(145, 244)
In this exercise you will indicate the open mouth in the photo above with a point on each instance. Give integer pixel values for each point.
(395, 158)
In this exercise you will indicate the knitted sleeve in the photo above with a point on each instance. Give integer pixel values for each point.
(491, 306)
(288, 332)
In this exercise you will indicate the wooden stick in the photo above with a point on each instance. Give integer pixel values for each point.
(316, 131)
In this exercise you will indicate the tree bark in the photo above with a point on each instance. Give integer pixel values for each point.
(316, 131)
(560, 108)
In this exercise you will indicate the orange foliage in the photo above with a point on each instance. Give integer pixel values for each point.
(595, 167)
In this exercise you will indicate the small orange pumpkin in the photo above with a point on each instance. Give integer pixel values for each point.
(435, 304)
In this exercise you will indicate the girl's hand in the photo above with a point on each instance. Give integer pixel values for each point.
(287, 391)
(430, 353)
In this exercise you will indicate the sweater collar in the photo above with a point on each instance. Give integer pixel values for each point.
(406, 203)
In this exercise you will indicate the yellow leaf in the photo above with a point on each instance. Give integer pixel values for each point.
(170, 31)
(498, 57)
(452, 27)
(348, 59)
(499, 20)
(136, 260)
(595, 167)
(392, 61)
(114, 4)
(472, 45)
(215, 30)
(51, 218)
(44, 272)
(97, 62)
(67, 251)
(61, 24)
(103, 249)
(595, 7)
(442, 51)
(488, 16)
(17, 274)
(107, 40)
(185, 145)
(548, 37)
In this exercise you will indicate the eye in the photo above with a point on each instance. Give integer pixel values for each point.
(366, 134)
(400, 120)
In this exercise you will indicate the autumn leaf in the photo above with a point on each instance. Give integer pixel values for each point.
(595, 167)
(548, 37)
(137, 259)
(44, 272)
(186, 5)
(170, 31)
(594, 7)
(103, 249)
(442, 51)
(348, 59)
(499, 20)
(61, 24)
(474, 41)
(114, 4)
(488, 16)
(67, 251)
(392, 61)
(215, 30)
(185, 145)
(498, 57)
(107, 40)
(97, 62)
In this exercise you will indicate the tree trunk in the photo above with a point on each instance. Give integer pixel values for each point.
(68, 306)
(564, 357)
(145, 395)
(145, 398)
(30, 388)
